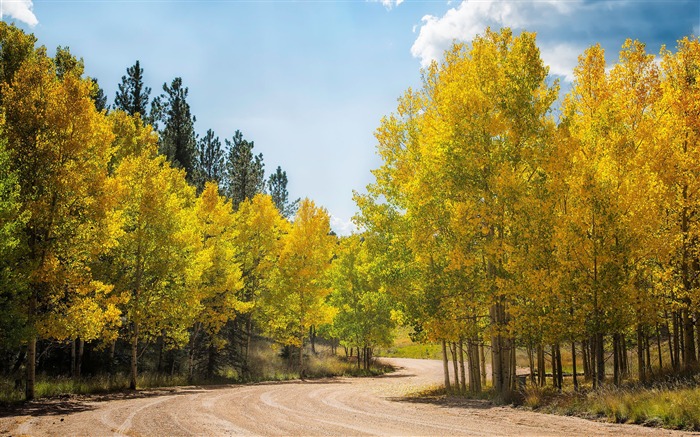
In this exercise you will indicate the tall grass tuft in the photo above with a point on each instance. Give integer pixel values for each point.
(674, 405)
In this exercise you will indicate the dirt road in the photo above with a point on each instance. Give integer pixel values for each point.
(360, 406)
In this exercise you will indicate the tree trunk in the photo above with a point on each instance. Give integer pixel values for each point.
(531, 361)
(31, 368)
(658, 345)
(625, 361)
(600, 360)
(541, 366)
(616, 360)
(573, 362)
(501, 355)
(161, 346)
(134, 357)
(79, 363)
(560, 373)
(461, 367)
(445, 366)
(72, 358)
(312, 338)
(584, 356)
(676, 342)
(453, 349)
(640, 355)
(689, 358)
(555, 377)
(650, 371)
(112, 349)
(482, 356)
(475, 373)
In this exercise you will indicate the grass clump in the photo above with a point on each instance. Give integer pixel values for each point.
(668, 405)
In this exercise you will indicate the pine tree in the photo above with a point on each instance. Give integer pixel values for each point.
(277, 187)
(210, 160)
(244, 172)
(177, 137)
(98, 96)
(132, 96)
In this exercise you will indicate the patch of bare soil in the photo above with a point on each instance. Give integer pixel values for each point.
(342, 406)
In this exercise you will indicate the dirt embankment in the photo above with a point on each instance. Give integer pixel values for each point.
(342, 406)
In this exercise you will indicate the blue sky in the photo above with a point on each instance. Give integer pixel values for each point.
(309, 81)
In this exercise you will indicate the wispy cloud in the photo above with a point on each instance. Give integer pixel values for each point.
(388, 4)
(19, 10)
(342, 226)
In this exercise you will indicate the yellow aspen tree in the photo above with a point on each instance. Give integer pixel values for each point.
(363, 316)
(679, 167)
(157, 268)
(221, 282)
(59, 146)
(257, 238)
(297, 295)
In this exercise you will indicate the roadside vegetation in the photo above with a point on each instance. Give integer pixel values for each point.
(268, 360)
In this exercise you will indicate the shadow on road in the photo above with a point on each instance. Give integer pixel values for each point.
(446, 401)
(71, 404)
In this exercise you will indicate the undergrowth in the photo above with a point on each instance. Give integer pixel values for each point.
(669, 404)
(266, 365)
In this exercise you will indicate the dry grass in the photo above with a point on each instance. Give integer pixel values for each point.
(674, 405)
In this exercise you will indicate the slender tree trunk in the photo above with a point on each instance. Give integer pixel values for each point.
(246, 354)
(445, 366)
(616, 360)
(482, 356)
(461, 366)
(560, 373)
(134, 357)
(72, 358)
(31, 368)
(211, 360)
(573, 361)
(312, 339)
(640, 355)
(586, 361)
(453, 349)
(600, 360)
(531, 361)
(650, 371)
(625, 361)
(658, 345)
(670, 341)
(541, 367)
(676, 342)
(475, 373)
(501, 355)
(681, 337)
(161, 347)
(555, 377)
(79, 363)
(112, 349)
(689, 358)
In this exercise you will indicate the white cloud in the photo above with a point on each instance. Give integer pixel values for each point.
(471, 17)
(388, 4)
(19, 10)
(561, 58)
(341, 226)
(462, 23)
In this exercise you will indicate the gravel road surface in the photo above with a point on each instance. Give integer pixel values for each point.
(342, 406)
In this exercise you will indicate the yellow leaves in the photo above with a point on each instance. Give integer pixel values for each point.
(297, 287)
